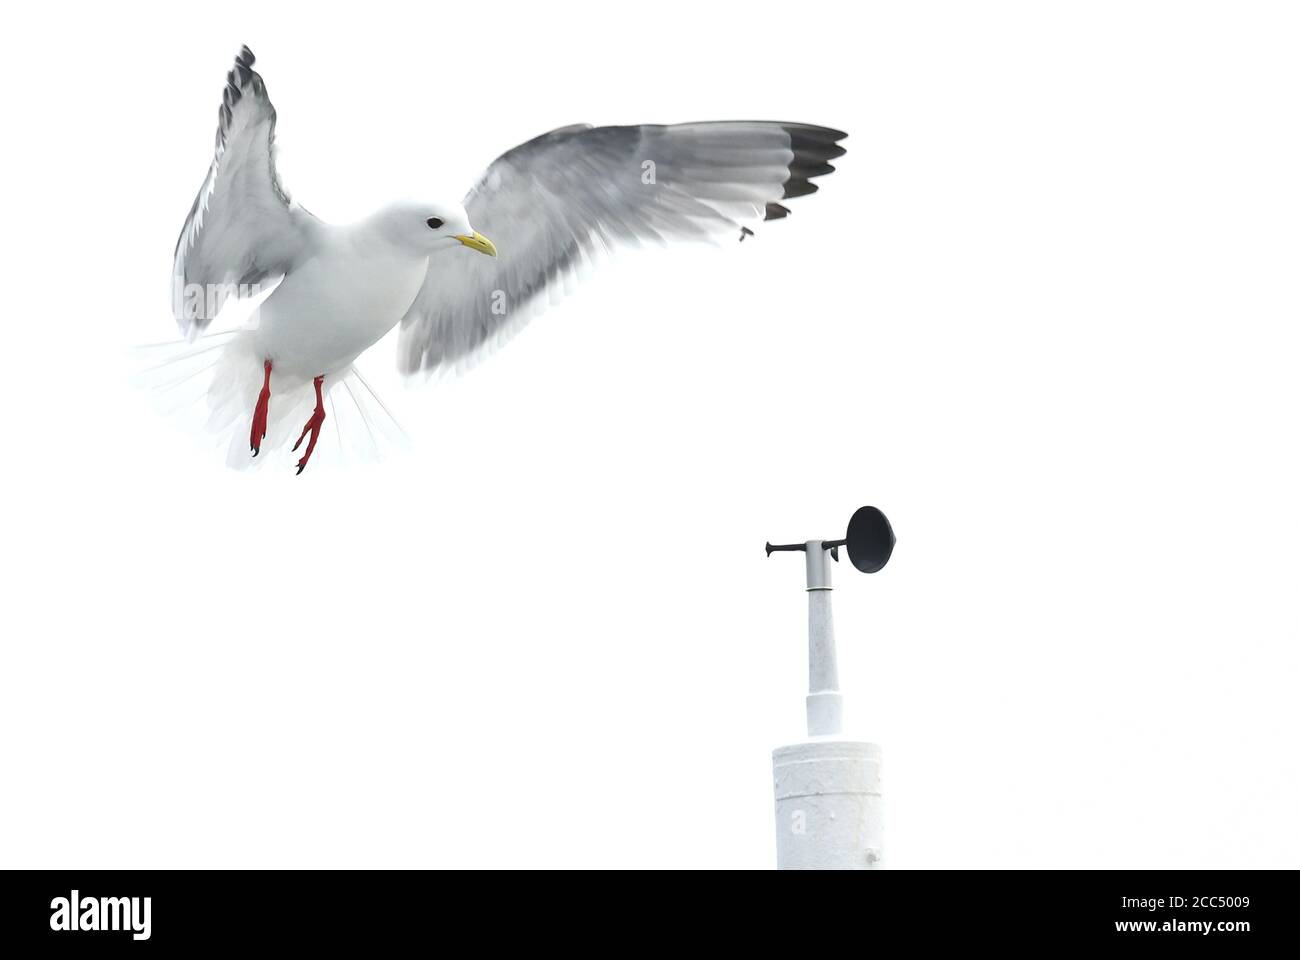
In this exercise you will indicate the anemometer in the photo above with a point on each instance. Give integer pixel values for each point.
(828, 788)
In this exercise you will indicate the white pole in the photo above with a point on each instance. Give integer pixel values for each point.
(828, 813)
(825, 707)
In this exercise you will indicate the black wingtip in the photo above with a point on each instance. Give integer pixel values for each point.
(797, 187)
(775, 211)
(242, 78)
(813, 147)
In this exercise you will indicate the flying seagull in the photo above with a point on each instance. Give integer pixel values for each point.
(549, 206)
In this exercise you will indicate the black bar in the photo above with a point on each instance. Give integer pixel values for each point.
(237, 909)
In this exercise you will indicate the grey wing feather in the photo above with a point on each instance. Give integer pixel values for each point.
(553, 203)
(242, 228)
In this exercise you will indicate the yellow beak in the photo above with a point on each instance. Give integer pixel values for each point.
(480, 243)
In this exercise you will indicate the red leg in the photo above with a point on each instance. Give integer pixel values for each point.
(258, 433)
(313, 426)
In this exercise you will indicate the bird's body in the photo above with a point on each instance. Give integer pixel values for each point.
(551, 205)
(353, 289)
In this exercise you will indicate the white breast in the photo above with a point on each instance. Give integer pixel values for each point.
(329, 310)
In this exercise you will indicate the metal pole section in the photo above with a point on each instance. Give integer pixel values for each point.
(824, 705)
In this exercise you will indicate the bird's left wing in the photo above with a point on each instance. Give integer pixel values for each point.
(550, 204)
(243, 228)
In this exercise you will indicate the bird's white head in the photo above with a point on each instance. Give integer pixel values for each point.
(427, 228)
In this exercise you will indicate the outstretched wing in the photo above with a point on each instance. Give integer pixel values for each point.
(243, 228)
(551, 203)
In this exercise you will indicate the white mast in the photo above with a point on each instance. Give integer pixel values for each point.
(828, 814)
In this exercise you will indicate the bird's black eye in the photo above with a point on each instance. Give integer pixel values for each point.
(434, 223)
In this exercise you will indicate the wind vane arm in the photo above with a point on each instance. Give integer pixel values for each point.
(870, 541)
(774, 547)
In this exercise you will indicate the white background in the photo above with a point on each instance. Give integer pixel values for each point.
(1045, 316)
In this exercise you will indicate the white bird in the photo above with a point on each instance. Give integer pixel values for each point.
(550, 204)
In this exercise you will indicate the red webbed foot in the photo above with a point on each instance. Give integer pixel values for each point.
(312, 427)
(258, 433)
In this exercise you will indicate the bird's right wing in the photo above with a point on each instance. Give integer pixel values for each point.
(243, 228)
(551, 203)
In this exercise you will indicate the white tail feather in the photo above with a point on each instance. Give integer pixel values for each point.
(211, 386)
